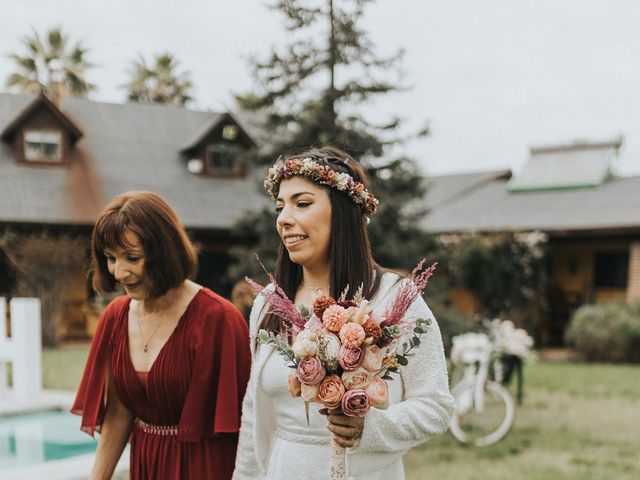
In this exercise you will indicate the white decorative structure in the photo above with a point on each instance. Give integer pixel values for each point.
(23, 349)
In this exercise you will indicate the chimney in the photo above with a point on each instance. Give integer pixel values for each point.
(56, 91)
(57, 88)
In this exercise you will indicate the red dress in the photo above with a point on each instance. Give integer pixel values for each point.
(187, 408)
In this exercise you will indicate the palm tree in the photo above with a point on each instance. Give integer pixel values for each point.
(159, 84)
(53, 64)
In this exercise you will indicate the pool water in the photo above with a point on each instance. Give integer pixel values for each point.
(40, 437)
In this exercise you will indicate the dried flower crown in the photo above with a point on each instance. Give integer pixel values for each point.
(322, 174)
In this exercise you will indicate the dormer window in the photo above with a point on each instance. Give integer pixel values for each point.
(41, 134)
(222, 159)
(219, 149)
(42, 145)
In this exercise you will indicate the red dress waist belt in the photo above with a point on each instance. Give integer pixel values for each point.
(171, 430)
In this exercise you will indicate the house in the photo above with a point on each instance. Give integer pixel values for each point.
(61, 162)
(591, 218)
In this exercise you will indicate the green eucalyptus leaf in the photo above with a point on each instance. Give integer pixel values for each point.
(263, 337)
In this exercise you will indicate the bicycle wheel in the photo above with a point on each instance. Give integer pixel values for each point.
(485, 420)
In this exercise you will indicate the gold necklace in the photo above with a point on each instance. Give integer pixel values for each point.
(317, 290)
(146, 344)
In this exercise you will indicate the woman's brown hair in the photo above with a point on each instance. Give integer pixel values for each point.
(170, 258)
(350, 257)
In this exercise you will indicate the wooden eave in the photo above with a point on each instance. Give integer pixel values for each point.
(42, 100)
(219, 120)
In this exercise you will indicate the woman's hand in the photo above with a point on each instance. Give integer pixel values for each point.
(346, 430)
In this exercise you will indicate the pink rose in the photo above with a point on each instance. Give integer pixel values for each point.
(334, 318)
(308, 392)
(313, 324)
(355, 403)
(352, 335)
(311, 371)
(330, 391)
(378, 393)
(373, 357)
(294, 384)
(350, 358)
(359, 378)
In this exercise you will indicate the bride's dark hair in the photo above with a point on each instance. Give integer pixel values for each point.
(350, 257)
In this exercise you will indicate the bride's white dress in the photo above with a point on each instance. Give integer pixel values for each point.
(301, 451)
(296, 447)
(277, 444)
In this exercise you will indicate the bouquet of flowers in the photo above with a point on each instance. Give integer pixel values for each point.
(343, 351)
(469, 348)
(512, 347)
(510, 340)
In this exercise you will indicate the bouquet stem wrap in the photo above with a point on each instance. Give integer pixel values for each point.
(338, 464)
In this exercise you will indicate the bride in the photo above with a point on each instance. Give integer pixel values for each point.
(322, 222)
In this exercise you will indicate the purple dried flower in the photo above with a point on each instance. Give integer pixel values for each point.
(279, 304)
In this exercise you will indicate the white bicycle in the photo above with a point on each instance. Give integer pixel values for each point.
(485, 410)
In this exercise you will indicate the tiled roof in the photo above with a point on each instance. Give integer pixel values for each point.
(124, 147)
(489, 206)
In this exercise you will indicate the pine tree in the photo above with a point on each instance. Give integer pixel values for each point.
(309, 93)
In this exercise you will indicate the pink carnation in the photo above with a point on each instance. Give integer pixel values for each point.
(334, 318)
(352, 335)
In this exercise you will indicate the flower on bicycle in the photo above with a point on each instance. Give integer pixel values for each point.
(470, 348)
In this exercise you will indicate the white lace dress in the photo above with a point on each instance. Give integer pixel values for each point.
(276, 443)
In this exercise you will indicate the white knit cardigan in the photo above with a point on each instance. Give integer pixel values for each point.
(420, 402)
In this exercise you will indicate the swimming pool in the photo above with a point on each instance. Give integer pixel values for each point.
(35, 438)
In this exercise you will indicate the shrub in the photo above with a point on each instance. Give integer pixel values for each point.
(607, 332)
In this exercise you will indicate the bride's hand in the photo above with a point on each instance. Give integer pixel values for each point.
(346, 430)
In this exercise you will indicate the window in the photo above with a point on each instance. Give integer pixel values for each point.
(222, 159)
(611, 269)
(229, 132)
(42, 145)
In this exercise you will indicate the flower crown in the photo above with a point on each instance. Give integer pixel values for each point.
(323, 175)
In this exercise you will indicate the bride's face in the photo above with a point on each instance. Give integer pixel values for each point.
(304, 221)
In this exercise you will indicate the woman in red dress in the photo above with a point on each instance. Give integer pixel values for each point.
(169, 361)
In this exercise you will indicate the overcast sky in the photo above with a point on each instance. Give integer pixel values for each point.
(493, 77)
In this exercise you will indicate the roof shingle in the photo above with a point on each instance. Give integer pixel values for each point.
(125, 147)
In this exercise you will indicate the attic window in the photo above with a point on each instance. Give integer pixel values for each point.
(42, 145)
(222, 159)
(229, 132)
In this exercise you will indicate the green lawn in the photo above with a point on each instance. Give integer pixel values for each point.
(62, 367)
(578, 422)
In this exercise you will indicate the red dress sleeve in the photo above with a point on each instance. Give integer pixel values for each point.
(222, 361)
(90, 398)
